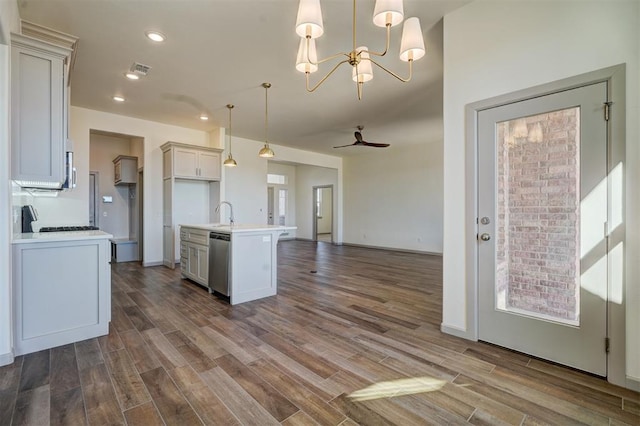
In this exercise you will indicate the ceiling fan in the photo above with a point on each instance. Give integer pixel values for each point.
(360, 142)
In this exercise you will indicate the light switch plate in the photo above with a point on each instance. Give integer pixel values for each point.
(107, 199)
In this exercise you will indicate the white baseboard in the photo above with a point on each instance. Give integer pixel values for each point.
(147, 264)
(633, 383)
(6, 359)
(456, 331)
(393, 249)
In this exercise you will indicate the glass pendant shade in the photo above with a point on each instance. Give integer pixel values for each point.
(412, 44)
(384, 9)
(309, 21)
(364, 71)
(302, 62)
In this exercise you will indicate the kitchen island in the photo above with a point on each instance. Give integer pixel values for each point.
(251, 264)
(62, 287)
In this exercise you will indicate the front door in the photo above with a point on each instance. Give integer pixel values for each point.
(542, 227)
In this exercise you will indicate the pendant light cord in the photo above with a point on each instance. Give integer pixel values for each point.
(266, 112)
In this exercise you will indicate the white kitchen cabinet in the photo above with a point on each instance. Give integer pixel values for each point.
(191, 162)
(125, 170)
(194, 254)
(62, 289)
(190, 190)
(38, 112)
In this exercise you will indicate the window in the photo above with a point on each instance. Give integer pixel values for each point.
(282, 206)
(276, 179)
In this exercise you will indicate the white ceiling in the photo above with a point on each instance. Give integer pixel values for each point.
(221, 51)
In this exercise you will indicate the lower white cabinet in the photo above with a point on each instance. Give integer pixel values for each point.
(194, 255)
(62, 292)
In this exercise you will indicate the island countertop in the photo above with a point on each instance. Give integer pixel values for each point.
(46, 237)
(238, 228)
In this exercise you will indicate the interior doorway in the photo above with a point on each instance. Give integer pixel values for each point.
(94, 202)
(323, 213)
(140, 201)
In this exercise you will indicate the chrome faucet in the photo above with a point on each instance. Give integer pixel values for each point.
(231, 221)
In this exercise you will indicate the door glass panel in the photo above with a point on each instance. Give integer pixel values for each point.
(538, 223)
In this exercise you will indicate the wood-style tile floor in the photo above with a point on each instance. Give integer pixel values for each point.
(352, 338)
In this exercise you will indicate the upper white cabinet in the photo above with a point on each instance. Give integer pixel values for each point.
(125, 170)
(184, 161)
(38, 112)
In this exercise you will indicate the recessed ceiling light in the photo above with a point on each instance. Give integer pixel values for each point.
(204, 117)
(118, 98)
(155, 36)
(131, 76)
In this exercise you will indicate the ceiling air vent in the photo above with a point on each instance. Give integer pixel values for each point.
(139, 69)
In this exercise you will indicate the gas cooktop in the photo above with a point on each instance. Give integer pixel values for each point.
(68, 228)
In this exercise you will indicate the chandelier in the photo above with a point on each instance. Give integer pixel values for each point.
(387, 13)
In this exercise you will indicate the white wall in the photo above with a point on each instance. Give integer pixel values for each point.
(306, 178)
(246, 185)
(395, 198)
(496, 47)
(9, 21)
(72, 207)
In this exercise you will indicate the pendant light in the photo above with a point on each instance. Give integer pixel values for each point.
(266, 152)
(230, 162)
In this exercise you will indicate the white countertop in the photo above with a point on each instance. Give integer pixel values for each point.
(240, 227)
(44, 237)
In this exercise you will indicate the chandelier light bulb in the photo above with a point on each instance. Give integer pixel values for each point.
(388, 12)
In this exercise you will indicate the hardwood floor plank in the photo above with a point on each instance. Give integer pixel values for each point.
(269, 397)
(138, 318)
(35, 371)
(244, 354)
(111, 342)
(246, 409)
(33, 406)
(166, 353)
(312, 405)
(9, 384)
(191, 353)
(299, 419)
(99, 396)
(67, 407)
(130, 389)
(143, 415)
(319, 366)
(143, 357)
(88, 354)
(206, 404)
(64, 369)
(172, 405)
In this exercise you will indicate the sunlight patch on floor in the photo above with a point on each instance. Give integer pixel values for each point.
(393, 388)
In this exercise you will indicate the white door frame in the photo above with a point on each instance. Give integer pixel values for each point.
(615, 78)
(314, 221)
(96, 197)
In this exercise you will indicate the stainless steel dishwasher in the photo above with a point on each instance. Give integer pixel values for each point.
(219, 245)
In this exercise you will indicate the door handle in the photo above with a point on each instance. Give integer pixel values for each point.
(485, 237)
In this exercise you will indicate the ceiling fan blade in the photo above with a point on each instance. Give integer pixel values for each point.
(344, 146)
(376, 145)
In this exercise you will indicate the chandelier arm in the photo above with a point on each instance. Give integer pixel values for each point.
(404, 80)
(386, 47)
(323, 78)
(337, 55)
